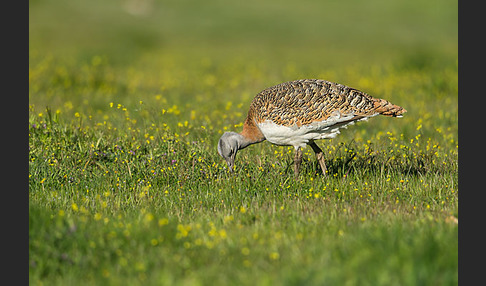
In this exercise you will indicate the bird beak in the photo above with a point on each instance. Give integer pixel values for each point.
(231, 162)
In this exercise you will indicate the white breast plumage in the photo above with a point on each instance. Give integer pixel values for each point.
(299, 136)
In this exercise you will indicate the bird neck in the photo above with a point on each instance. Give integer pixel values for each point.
(251, 134)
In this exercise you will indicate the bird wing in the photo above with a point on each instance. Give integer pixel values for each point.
(304, 102)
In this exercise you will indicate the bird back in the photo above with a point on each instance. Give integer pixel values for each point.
(303, 102)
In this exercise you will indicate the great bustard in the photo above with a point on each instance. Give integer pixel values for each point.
(298, 112)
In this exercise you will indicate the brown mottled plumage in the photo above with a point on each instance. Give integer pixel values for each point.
(298, 112)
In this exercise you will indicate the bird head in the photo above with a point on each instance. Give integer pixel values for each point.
(228, 145)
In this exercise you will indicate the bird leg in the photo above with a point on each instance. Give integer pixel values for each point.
(297, 160)
(319, 156)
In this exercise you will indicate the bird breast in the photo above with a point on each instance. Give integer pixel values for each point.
(299, 135)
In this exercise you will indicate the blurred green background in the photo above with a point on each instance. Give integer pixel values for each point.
(203, 54)
(332, 33)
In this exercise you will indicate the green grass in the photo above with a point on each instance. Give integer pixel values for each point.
(126, 186)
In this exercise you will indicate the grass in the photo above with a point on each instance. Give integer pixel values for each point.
(125, 183)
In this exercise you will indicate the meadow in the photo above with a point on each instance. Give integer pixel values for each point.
(126, 106)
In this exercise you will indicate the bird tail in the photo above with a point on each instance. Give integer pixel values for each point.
(387, 108)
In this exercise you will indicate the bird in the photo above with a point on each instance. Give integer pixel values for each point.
(299, 112)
